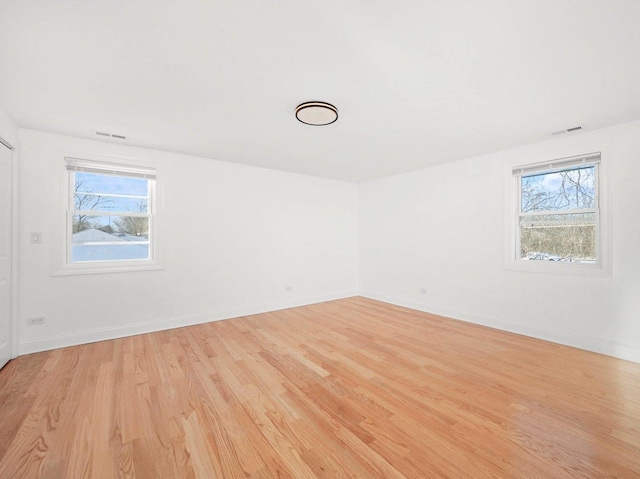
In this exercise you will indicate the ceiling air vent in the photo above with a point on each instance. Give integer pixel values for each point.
(111, 135)
(568, 130)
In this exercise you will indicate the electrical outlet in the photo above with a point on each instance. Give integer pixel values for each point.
(288, 288)
(32, 321)
(423, 290)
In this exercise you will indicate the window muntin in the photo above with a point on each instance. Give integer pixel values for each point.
(110, 214)
(558, 211)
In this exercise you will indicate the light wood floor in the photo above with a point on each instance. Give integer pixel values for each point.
(349, 388)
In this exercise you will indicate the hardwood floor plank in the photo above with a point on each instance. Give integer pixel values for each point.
(352, 388)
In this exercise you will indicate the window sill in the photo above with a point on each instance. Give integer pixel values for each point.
(552, 267)
(101, 268)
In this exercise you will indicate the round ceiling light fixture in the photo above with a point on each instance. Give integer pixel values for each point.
(316, 113)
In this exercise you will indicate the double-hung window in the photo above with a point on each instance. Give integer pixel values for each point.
(558, 211)
(110, 214)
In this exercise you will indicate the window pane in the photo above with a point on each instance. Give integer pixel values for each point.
(569, 189)
(116, 204)
(109, 238)
(569, 237)
(109, 184)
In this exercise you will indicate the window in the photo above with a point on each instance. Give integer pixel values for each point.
(110, 214)
(558, 211)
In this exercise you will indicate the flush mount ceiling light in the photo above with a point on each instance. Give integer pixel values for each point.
(316, 113)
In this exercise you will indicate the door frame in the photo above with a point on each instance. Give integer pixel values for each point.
(15, 243)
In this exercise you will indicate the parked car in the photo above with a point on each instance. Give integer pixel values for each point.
(538, 256)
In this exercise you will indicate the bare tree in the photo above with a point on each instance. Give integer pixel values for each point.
(135, 225)
(576, 191)
(86, 201)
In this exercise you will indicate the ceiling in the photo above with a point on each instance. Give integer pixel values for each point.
(417, 82)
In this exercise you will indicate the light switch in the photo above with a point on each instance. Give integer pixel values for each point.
(36, 238)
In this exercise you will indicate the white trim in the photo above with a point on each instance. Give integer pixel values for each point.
(97, 267)
(109, 213)
(557, 212)
(586, 343)
(110, 168)
(14, 239)
(113, 332)
(557, 164)
(111, 195)
(16, 251)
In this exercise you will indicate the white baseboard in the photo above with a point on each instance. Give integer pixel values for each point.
(101, 334)
(595, 345)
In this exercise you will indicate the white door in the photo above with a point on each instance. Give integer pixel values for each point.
(6, 180)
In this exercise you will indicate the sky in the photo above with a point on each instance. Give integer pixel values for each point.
(113, 185)
(550, 185)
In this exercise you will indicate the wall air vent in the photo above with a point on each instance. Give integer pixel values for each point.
(110, 135)
(568, 130)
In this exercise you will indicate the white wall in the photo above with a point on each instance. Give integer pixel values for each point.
(233, 238)
(443, 229)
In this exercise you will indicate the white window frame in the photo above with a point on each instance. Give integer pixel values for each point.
(602, 264)
(106, 166)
